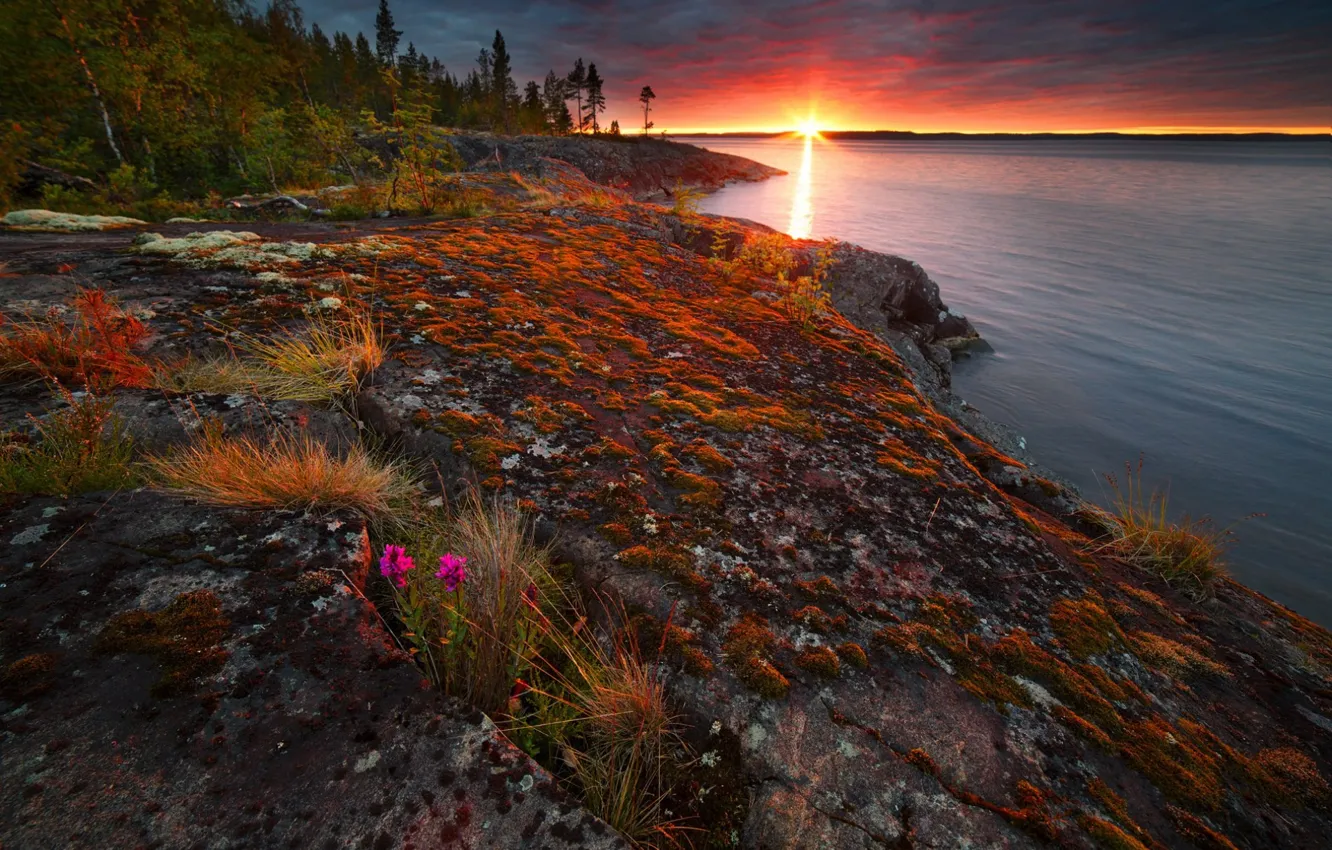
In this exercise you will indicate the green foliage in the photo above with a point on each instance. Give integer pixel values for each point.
(805, 298)
(196, 96)
(476, 639)
(422, 176)
(14, 141)
(686, 200)
(768, 257)
(80, 448)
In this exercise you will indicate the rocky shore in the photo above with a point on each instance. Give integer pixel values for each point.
(646, 168)
(885, 630)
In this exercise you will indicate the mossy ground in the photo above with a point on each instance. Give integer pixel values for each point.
(817, 522)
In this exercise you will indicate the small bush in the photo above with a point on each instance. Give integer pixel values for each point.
(806, 298)
(1140, 532)
(324, 364)
(81, 448)
(686, 199)
(289, 473)
(768, 257)
(92, 348)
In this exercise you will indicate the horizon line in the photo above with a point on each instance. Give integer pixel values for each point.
(1302, 132)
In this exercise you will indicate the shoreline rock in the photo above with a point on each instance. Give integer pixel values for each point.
(646, 168)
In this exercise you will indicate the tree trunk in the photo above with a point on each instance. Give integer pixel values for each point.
(92, 82)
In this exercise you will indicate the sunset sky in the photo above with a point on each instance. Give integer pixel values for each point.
(925, 65)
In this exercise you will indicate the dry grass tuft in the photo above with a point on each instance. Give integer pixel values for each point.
(288, 473)
(323, 364)
(602, 707)
(1188, 553)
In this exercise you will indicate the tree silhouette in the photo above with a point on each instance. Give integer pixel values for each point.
(386, 37)
(502, 87)
(577, 81)
(596, 101)
(645, 97)
(552, 96)
(533, 109)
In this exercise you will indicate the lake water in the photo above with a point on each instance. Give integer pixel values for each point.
(1172, 299)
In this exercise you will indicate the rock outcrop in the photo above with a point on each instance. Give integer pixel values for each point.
(179, 676)
(646, 168)
(887, 648)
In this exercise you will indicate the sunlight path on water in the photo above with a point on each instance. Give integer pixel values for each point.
(802, 211)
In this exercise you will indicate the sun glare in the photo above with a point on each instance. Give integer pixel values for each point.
(808, 129)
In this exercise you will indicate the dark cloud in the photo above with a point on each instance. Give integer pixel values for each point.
(974, 64)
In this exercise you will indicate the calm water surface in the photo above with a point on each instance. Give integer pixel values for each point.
(1166, 298)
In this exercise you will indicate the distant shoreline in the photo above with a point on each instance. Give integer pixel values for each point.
(909, 136)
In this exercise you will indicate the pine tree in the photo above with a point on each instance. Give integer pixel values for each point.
(552, 97)
(577, 81)
(502, 86)
(532, 113)
(386, 37)
(596, 101)
(645, 97)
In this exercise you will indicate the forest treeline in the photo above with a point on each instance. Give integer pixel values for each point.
(198, 96)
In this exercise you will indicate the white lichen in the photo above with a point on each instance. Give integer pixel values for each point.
(47, 220)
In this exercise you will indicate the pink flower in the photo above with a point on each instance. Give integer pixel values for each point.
(395, 564)
(451, 571)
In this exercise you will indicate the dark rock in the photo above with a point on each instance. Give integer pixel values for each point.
(309, 708)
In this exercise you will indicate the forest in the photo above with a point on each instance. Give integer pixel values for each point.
(153, 100)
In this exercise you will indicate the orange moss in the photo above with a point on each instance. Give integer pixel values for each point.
(616, 533)
(1194, 830)
(1086, 729)
(711, 459)
(747, 650)
(1108, 836)
(1017, 652)
(941, 629)
(185, 637)
(820, 588)
(549, 418)
(1084, 627)
(1174, 658)
(28, 677)
(853, 654)
(1288, 778)
(701, 493)
(668, 560)
(819, 660)
(814, 618)
(1174, 763)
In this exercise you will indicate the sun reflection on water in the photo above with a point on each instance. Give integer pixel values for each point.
(802, 210)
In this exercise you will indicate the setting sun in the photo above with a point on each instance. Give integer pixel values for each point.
(808, 129)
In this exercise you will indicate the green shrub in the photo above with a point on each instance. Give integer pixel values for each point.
(80, 448)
